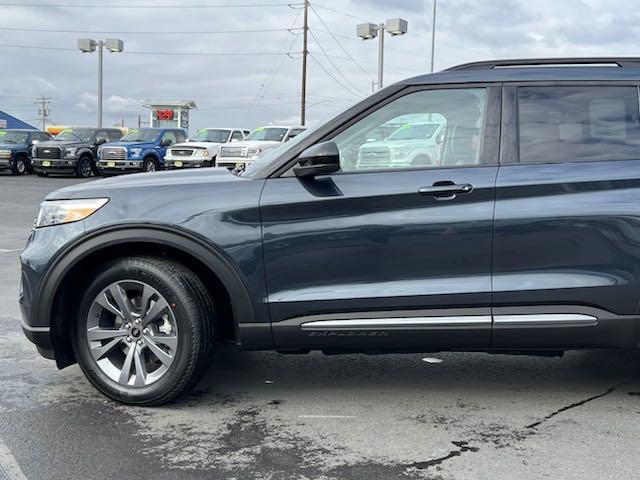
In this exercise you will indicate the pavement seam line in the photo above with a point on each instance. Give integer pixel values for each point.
(9, 464)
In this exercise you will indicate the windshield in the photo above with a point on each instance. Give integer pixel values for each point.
(274, 153)
(268, 134)
(7, 136)
(75, 134)
(140, 136)
(217, 136)
(414, 131)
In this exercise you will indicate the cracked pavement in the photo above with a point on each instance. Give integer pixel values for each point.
(268, 416)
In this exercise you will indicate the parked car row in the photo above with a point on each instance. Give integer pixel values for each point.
(86, 151)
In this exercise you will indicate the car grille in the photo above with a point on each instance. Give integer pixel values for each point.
(233, 152)
(113, 153)
(374, 157)
(186, 152)
(48, 152)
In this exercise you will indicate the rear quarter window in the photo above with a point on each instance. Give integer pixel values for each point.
(578, 123)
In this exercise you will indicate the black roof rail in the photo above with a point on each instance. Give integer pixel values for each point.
(623, 62)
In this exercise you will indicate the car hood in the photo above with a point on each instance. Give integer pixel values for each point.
(253, 143)
(60, 144)
(131, 144)
(173, 178)
(197, 145)
(12, 146)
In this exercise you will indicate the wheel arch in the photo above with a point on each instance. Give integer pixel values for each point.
(73, 267)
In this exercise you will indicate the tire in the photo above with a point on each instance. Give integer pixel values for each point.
(150, 165)
(84, 168)
(181, 327)
(211, 163)
(20, 166)
(421, 161)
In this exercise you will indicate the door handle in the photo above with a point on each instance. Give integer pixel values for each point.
(446, 190)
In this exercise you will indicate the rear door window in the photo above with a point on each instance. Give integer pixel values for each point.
(578, 123)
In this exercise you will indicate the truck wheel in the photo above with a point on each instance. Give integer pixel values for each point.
(211, 163)
(84, 169)
(143, 332)
(421, 161)
(150, 165)
(19, 166)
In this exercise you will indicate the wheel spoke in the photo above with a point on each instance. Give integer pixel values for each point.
(147, 293)
(141, 368)
(104, 302)
(97, 333)
(171, 341)
(159, 306)
(160, 354)
(99, 352)
(125, 372)
(124, 304)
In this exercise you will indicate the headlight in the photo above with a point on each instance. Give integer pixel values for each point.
(399, 153)
(70, 152)
(252, 152)
(202, 152)
(5, 153)
(57, 212)
(135, 152)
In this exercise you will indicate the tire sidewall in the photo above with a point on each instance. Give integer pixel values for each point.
(80, 168)
(187, 334)
(150, 161)
(16, 169)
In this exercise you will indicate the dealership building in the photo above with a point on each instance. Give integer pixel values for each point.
(9, 121)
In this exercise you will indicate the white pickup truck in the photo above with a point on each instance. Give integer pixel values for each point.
(240, 154)
(202, 149)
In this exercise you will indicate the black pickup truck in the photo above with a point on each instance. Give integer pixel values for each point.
(73, 151)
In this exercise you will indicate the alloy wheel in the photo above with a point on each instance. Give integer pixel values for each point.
(132, 333)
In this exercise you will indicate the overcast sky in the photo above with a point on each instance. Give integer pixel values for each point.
(248, 90)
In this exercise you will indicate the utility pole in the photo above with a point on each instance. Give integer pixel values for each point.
(305, 29)
(433, 35)
(380, 54)
(43, 110)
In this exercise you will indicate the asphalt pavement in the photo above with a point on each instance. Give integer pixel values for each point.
(262, 415)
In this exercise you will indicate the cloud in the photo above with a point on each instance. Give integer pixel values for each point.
(250, 90)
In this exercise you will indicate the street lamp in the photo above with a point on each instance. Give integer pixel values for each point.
(369, 31)
(87, 45)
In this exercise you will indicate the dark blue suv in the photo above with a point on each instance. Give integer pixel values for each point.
(519, 231)
(16, 147)
(140, 150)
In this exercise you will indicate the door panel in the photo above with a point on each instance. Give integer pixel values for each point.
(370, 242)
(567, 220)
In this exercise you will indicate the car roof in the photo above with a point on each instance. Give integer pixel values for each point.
(522, 70)
(282, 126)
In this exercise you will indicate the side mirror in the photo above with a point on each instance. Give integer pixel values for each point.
(34, 142)
(320, 159)
(233, 140)
(440, 139)
(100, 141)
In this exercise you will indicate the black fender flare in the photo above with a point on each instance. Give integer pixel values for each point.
(84, 151)
(192, 244)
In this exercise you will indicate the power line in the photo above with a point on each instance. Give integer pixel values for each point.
(150, 32)
(331, 75)
(129, 52)
(180, 6)
(338, 42)
(350, 15)
(334, 65)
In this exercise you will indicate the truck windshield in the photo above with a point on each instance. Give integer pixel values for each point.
(7, 136)
(414, 131)
(217, 136)
(141, 136)
(75, 134)
(268, 134)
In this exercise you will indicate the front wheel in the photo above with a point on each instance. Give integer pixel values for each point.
(84, 169)
(143, 333)
(19, 166)
(150, 165)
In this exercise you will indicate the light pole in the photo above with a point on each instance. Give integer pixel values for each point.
(88, 45)
(433, 35)
(368, 31)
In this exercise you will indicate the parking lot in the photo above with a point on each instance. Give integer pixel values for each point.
(271, 416)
